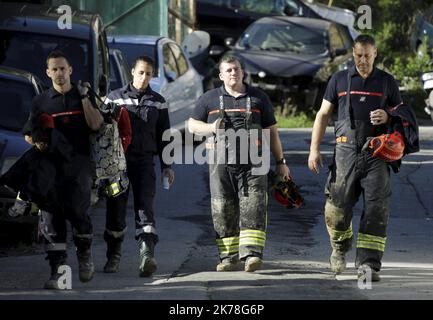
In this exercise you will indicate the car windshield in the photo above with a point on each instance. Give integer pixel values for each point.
(15, 103)
(288, 37)
(131, 51)
(28, 51)
(260, 6)
(115, 77)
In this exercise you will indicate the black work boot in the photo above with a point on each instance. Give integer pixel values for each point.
(147, 260)
(56, 259)
(114, 246)
(86, 269)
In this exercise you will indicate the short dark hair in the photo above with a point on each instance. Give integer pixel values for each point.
(57, 54)
(230, 59)
(364, 39)
(145, 59)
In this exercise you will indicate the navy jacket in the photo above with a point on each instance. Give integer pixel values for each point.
(403, 120)
(148, 113)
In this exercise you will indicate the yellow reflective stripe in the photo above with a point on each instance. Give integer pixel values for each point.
(228, 245)
(369, 245)
(369, 237)
(228, 241)
(337, 235)
(34, 208)
(115, 188)
(252, 238)
(368, 241)
(252, 242)
(228, 251)
(253, 233)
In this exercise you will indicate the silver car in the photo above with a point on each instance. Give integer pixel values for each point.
(175, 78)
(120, 72)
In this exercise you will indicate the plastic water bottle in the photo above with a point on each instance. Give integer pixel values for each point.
(165, 183)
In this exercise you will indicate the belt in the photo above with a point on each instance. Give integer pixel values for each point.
(341, 139)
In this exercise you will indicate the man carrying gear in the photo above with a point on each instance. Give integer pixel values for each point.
(68, 109)
(148, 114)
(363, 95)
(238, 193)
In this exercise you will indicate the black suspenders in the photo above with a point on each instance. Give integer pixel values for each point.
(248, 112)
(349, 108)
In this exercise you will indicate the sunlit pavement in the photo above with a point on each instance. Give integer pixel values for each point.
(296, 254)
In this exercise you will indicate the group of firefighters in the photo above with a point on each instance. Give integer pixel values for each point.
(368, 104)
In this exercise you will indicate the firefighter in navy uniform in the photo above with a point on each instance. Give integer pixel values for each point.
(362, 94)
(148, 113)
(75, 116)
(238, 196)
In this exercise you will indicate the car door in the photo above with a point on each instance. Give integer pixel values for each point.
(172, 88)
(190, 81)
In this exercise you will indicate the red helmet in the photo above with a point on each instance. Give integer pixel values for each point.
(388, 147)
(286, 192)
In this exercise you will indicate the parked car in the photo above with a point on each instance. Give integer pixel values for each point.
(175, 78)
(17, 89)
(292, 58)
(29, 32)
(120, 71)
(224, 19)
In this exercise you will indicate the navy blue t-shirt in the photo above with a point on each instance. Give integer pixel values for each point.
(67, 111)
(366, 95)
(207, 106)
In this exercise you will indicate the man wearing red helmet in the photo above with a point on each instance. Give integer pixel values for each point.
(362, 95)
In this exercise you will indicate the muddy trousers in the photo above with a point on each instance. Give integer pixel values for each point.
(73, 187)
(141, 174)
(354, 173)
(239, 210)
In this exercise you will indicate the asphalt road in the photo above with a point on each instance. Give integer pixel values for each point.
(296, 254)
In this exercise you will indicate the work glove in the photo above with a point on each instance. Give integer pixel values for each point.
(366, 145)
(83, 88)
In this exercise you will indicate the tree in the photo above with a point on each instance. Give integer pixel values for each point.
(392, 23)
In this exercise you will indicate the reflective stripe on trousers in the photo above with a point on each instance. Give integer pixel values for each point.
(239, 210)
(354, 173)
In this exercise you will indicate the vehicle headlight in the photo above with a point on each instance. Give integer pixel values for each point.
(427, 76)
(7, 164)
(262, 74)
